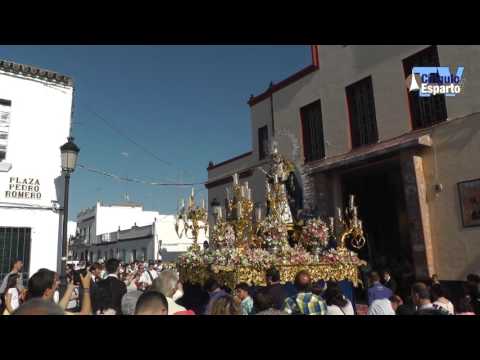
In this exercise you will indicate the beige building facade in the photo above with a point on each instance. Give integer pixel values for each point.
(350, 124)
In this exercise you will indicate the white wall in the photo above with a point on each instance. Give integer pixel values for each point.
(40, 121)
(165, 232)
(110, 218)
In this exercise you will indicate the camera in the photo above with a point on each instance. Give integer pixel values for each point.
(75, 276)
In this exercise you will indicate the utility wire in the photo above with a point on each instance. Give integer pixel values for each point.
(134, 142)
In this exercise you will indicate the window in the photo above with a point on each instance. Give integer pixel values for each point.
(14, 243)
(4, 126)
(312, 128)
(361, 107)
(425, 111)
(262, 142)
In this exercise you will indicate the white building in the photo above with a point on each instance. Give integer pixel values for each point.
(35, 117)
(126, 232)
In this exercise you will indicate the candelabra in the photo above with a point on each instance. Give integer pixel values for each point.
(240, 208)
(349, 226)
(194, 219)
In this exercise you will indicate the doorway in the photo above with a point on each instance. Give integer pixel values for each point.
(379, 195)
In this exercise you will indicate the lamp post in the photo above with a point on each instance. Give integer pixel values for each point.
(69, 153)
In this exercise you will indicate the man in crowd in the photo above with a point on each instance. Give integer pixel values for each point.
(305, 302)
(169, 284)
(151, 303)
(275, 288)
(96, 270)
(264, 304)
(377, 291)
(472, 289)
(245, 298)
(43, 284)
(143, 281)
(214, 292)
(381, 307)
(389, 282)
(39, 306)
(15, 268)
(149, 275)
(422, 299)
(108, 293)
(396, 302)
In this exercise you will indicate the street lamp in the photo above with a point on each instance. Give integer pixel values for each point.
(69, 153)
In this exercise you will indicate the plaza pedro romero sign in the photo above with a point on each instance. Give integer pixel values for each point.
(23, 188)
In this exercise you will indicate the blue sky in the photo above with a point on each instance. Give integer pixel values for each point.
(185, 104)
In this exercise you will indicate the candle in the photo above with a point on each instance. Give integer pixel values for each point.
(331, 222)
(360, 224)
(259, 214)
(228, 193)
(235, 179)
(203, 203)
(339, 213)
(268, 188)
(246, 184)
(242, 191)
(351, 201)
(249, 194)
(275, 179)
(355, 211)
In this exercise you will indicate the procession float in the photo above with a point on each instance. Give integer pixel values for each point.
(244, 243)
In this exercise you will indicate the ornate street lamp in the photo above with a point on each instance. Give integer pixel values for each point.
(69, 153)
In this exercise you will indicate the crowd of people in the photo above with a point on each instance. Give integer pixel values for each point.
(148, 288)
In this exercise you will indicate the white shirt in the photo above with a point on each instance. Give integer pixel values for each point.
(173, 307)
(15, 299)
(381, 307)
(448, 306)
(145, 278)
(336, 310)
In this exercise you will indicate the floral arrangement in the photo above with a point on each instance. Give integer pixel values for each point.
(275, 235)
(314, 235)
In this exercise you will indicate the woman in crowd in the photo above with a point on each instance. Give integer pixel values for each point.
(337, 303)
(225, 305)
(439, 300)
(11, 296)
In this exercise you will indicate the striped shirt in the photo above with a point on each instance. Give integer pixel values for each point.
(305, 304)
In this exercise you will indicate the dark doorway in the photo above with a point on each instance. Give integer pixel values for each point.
(379, 196)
